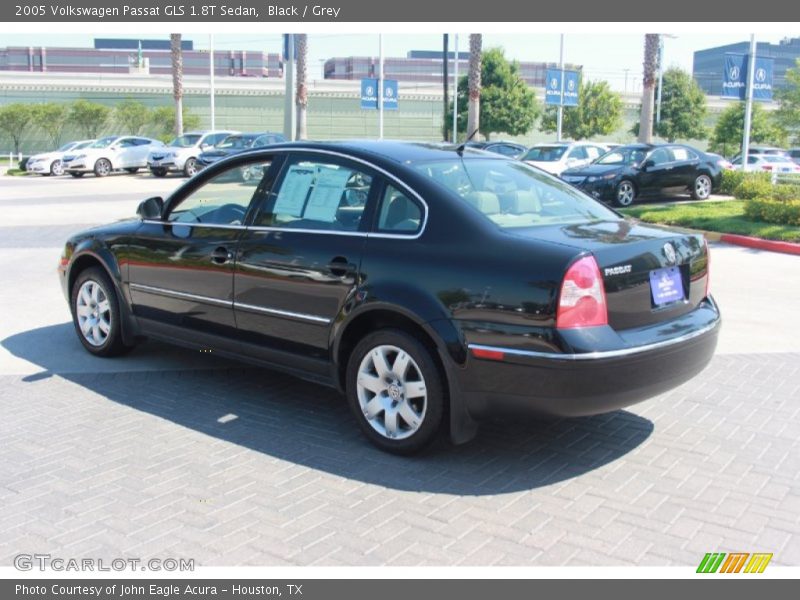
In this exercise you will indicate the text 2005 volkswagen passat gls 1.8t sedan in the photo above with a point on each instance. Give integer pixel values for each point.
(432, 285)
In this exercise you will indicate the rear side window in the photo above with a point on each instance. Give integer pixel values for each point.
(398, 213)
(318, 195)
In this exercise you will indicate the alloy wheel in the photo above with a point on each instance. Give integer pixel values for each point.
(702, 187)
(57, 168)
(625, 193)
(391, 392)
(94, 313)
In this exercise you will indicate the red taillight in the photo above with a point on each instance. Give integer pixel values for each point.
(582, 302)
(767, 167)
(488, 354)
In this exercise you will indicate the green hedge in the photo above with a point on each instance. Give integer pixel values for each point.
(754, 185)
(732, 179)
(773, 211)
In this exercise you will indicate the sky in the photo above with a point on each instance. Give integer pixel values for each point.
(616, 58)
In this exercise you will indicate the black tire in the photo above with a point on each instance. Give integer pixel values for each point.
(190, 167)
(158, 172)
(113, 344)
(132, 170)
(102, 167)
(702, 187)
(625, 193)
(421, 370)
(77, 174)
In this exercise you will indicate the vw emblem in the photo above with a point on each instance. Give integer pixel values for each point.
(554, 83)
(734, 73)
(669, 253)
(761, 74)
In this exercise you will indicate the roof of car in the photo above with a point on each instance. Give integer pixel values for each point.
(395, 151)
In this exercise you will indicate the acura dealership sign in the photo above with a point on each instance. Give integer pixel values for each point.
(734, 77)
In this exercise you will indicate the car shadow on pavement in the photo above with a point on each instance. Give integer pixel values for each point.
(308, 424)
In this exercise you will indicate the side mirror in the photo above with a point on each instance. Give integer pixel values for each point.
(151, 208)
(649, 163)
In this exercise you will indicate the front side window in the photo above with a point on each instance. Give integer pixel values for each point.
(578, 153)
(661, 156)
(622, 156)
(316, 194)
(104, 142)
(222, 200)
(513, 194)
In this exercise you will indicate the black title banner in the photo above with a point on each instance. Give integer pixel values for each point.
(496, 11)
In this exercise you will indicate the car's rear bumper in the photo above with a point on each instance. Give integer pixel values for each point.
(594, 382)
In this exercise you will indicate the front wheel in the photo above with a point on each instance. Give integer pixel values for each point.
(395, 391)
(132, 170)
(76, 174)
(102, 167)
(95, 313)
(702, 187)
(158, 172)
(625, 193)
(190, 167)
(56, 168)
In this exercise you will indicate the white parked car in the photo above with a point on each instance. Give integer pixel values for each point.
(771, 163)
(112, 153)
(557, 157)
(182, 152)
(51, 163)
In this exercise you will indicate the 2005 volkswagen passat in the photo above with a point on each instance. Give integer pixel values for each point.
(432, 285)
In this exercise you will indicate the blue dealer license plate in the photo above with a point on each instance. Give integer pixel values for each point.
(666, 286)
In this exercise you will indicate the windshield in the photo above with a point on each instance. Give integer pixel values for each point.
(622, 156)
(82, 145)
(513, 194)
(235, 142)
(545, 153)
(185, 141)
(774, 158)
(104, 142)
(66, 147)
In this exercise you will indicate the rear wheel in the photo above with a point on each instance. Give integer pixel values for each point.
(701, 189)
(395, 391)
(56, 168)
(190, 167)
(95, 313)
(102, 167)
(625, 193)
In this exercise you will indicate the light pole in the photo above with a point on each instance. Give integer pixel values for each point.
(748, 110)
(560, 120)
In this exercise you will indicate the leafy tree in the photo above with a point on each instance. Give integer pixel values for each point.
(727, 136)
(163, 121)
(132, 115)
(788, 113)
(51, 118)
(14, 119)
(683, 108)
(90, 117)
(599, 112)
(507, 104)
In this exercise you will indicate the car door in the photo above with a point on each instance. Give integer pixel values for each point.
(124, 152)
(181, 270)
(142, 147)
(656, 171)
(685, 166)
(298, 263)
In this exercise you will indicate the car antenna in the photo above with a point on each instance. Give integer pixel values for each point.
(461, 148)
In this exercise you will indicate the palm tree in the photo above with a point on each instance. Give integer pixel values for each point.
(474, 83)
(177, 79)
(648, 87)
(301, 56)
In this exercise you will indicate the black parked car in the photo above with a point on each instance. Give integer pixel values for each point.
(509, 149)
(432, 285)
(624, 173)
(238, 142)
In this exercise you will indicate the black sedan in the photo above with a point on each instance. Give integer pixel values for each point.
(433, 286)
(627, 172)
(238, 142)
(509, 149)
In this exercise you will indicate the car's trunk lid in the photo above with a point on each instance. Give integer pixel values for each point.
(650, 274)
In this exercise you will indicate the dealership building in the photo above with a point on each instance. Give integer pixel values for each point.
(425, 66)
(138, 56)
(709, 64)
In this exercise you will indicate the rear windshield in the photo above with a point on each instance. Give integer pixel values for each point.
(513, 194)
(545, 153)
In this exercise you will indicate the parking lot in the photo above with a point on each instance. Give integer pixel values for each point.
(168, 452)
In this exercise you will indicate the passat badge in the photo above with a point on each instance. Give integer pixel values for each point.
(618, 270)
(669, 253)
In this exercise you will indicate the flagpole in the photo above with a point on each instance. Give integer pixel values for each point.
(748, 110)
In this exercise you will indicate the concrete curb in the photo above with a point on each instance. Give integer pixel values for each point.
(761, 244)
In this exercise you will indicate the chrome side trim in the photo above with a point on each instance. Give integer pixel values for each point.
(599, 355)
(182, 295)
(228, 304)
(280, 313)
(179, 223)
